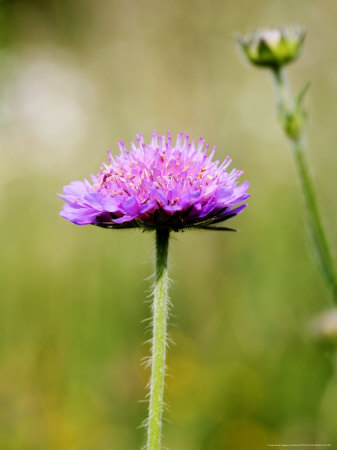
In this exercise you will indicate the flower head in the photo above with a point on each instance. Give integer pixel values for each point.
(160, 185)
(273, 47)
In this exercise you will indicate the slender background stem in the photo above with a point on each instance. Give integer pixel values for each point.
(286, 109)
(159, 342)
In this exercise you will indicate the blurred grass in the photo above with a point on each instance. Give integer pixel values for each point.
(75, 77)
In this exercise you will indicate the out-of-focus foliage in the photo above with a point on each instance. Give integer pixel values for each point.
(77, 76)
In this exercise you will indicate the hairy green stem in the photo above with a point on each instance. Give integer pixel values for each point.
(287, 111)
(159, 342)
(285, 102)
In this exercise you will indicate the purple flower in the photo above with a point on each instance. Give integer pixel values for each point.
(160, 185)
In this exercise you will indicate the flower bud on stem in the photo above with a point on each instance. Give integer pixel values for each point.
(292, 119)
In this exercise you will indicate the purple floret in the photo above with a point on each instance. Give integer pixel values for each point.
(159, 185)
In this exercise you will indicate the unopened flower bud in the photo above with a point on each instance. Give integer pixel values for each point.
(273, 47)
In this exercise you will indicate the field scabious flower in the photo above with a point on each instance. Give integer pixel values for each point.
(165, 187)
(160, 185)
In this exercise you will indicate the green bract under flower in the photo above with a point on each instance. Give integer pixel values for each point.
(273, 47)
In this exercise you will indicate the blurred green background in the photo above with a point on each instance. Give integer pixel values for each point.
(76, 76)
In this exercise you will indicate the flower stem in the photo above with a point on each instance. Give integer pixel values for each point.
(288, 114)
(159, 342)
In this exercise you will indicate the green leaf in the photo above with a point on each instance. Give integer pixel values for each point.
(301, 95)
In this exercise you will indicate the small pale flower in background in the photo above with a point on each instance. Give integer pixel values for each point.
(324, 326)
(273, 47)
